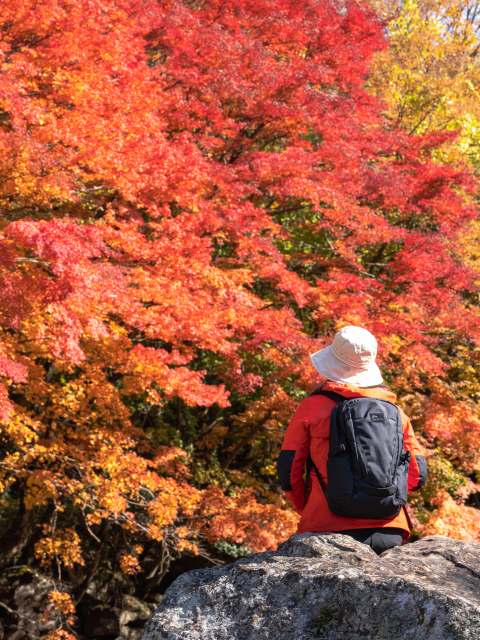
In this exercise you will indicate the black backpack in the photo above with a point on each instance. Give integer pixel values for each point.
(367, 468)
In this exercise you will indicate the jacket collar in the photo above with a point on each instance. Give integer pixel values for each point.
(349, 391)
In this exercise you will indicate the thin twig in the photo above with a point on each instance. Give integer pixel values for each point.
(89, 530)
(14, 613)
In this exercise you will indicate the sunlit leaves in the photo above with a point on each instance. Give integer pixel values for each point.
(193, 200)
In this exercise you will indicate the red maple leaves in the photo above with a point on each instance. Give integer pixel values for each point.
(193, 198)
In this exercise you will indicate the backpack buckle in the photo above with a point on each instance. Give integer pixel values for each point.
(338, 450)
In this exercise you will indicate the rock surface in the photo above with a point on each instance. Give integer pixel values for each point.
(331, 587)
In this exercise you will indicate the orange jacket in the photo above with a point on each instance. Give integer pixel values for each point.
(309, 432)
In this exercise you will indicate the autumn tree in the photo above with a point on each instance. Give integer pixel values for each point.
(428, 76)
(194, 197)
(428, 79)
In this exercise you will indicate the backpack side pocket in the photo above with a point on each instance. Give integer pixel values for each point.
(401, 477)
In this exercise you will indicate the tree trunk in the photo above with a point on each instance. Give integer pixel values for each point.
(18, 534)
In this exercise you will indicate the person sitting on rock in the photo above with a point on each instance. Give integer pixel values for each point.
(359, 443)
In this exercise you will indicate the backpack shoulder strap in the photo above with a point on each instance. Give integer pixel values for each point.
(310, 463)
(320, 479)
(329, 394)
(307, 476)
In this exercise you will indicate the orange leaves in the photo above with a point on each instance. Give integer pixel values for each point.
(60, 634)
(453, 520)
(61, 546)
(172, 461)
(62, 602)
(192, 200)
(183, 540)
(455, 426)
(243, 520)
(41, 484)
(173, 500)
(129, 563)
(269, 415)
(61, 607)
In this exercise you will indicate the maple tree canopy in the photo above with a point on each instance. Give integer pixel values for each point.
(194, 198)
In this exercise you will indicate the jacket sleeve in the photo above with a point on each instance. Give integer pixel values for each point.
(291, 461)
(417, 473)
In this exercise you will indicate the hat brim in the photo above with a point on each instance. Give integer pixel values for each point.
(336, 371)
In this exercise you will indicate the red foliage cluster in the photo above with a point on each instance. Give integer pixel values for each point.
(193, 197)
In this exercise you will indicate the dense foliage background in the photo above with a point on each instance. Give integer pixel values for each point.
(194, 197)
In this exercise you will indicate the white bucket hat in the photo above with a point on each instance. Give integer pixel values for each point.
(350, 358)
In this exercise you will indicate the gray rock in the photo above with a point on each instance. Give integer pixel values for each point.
(132, 617)
(34, 615)
(331, 587)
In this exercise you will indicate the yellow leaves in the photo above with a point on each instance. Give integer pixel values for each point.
(270, 470)
(172, 500)
(117, 330)
(62, 546)
(189, 499)
(428, 75)
(88, 397)
(470, 243)
(20, 429)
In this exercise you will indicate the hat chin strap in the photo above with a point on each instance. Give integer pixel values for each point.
(351, 363)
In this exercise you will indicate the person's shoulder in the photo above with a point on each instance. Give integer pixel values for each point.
(405, 418)
(313, 408)
(314, 400)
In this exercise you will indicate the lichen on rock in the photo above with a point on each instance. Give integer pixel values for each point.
(329, 586)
